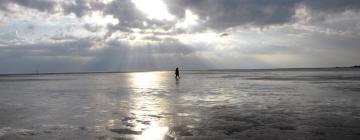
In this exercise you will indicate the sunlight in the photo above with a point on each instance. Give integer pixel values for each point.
(190, 20)
(106, 1)
(154, 132)
(144, 79)
(154, 9)
(100, 19)
(148, 105)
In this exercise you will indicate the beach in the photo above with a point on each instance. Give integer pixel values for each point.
(291, 104)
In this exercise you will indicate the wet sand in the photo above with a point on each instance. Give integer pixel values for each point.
(202, 105)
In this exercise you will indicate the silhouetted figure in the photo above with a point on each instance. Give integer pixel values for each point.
(177, 76)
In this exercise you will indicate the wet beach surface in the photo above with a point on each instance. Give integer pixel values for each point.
(202, 105)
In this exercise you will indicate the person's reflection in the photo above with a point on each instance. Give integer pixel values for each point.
(177, 82)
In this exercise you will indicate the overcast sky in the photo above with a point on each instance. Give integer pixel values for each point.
(122, 35)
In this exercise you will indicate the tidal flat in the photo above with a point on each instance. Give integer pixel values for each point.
(299, 104)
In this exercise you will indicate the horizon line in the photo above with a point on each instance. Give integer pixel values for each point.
(215, 69)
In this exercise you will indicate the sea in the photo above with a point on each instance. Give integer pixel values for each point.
(279, 104)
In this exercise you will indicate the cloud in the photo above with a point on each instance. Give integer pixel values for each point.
(221, 15)
(217, 15)
(73, 35)
(224, 34)
(77, 55)
(41, 5)
(332, 6)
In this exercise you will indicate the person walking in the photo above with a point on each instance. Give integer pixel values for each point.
(177, 75)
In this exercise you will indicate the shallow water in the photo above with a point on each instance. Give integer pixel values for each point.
(263, 104)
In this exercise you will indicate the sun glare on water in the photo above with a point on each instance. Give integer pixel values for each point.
(154, 9)
(143, 80)
(147, 103)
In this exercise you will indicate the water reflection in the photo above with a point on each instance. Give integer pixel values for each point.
(149, 105)
(145, 80)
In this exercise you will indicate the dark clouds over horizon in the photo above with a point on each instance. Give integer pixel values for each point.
(112, 35)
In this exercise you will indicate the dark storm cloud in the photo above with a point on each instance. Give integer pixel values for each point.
(79, 8)
(126, 12)
(67, 48)
(130, 17)
(70, 46)
(91, 27)
(46, 57)
(332, 6)
(78, 55)
(217, 14)
(41, 5)
(231, 13)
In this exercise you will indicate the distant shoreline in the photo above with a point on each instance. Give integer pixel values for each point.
(356, 67)
(353, 67)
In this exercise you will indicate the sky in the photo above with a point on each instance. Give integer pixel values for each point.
(140, 35)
